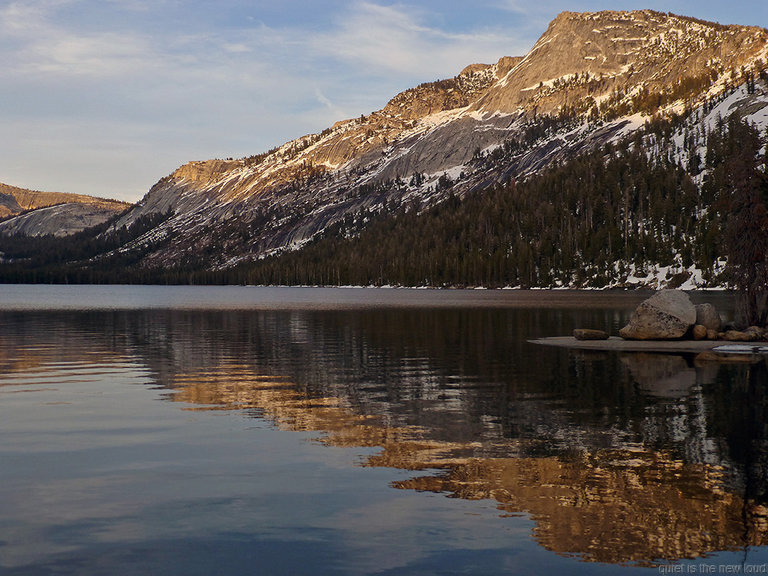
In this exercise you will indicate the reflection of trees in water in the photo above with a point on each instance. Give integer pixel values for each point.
(463, 375)
(540, 432)
(636, 503)
(618, 458)
(740, 420)
(712, 413)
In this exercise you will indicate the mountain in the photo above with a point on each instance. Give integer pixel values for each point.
(640, 59)
(34, 213)
(592, 80)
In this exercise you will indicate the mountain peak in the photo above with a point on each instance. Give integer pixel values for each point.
(585, 57)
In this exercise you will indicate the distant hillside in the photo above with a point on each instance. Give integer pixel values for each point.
(35, 213)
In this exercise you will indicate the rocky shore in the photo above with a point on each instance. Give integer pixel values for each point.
(670, 315)
(669, 322)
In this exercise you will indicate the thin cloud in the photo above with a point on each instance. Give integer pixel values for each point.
(236, 48)
(323, 99)
(36, 44)
(102, 55)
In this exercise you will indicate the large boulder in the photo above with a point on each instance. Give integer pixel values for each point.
(667, 315)
(707, 315)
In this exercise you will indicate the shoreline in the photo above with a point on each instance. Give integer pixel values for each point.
(614, 343)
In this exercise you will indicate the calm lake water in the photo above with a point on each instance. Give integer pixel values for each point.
(259, 431)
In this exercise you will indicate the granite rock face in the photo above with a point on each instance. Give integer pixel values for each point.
(35, 213)
(667, 315)
(61, 220)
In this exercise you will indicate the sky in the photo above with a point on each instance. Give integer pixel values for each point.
(105, 97)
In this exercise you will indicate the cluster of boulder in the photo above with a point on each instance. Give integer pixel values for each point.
(670, 315)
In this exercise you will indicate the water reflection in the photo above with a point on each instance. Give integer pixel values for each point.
(618, 505)
(622, 459)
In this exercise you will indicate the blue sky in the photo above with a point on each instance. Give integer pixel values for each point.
(105, 97)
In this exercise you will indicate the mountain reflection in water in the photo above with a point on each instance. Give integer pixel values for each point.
(621, 459)
(607, 504)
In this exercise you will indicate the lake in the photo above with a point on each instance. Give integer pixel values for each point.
(289, 431)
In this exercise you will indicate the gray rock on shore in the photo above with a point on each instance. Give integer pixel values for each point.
(707, 316)
(667, 315)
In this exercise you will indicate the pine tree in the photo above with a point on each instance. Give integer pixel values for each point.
(746, 233)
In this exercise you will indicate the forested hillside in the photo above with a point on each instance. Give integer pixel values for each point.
(626, 214)
(605, 218)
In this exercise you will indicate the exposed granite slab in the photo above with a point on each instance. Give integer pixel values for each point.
(621, 345)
